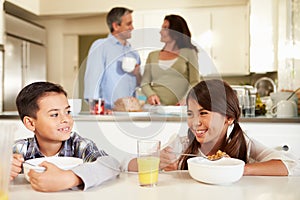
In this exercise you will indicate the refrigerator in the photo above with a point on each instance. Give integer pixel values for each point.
(24, 59)
(24, 63)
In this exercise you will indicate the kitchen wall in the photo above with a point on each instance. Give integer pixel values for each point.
(65, 24)
(1, 22)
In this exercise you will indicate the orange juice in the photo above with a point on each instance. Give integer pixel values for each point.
(148, 170)
(3, 195)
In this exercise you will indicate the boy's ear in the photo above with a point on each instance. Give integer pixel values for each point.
(29, 123)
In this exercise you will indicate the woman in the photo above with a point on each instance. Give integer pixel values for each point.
(169, 73)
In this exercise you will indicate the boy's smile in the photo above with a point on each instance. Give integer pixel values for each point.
(53, 123)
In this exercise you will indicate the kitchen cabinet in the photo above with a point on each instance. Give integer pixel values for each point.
(118, 135)
(222, 32)
(279, 136)
(263, 36)
(230, 40)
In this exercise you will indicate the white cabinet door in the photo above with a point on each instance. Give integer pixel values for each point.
(230, 40)
(279, 136)
(222, 32)
(263, 36)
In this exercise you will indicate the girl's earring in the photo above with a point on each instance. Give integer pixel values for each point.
(230, 122)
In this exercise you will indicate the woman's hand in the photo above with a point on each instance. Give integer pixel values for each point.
(168, 160)
(182, 102)
(153, 100)
(136, 70)
(16, 165)
(137, 73)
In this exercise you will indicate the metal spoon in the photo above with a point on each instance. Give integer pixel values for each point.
(31, 164)
(194, 155)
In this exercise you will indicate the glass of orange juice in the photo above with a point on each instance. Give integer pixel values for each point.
(6, 140)
(148, 162)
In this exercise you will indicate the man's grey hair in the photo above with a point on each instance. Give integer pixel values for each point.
(115, 15)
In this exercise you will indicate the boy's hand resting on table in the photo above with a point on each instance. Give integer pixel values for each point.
(16, 166)
(53, 179)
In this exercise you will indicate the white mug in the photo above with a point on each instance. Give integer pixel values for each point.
(285, 109)
(128, 64)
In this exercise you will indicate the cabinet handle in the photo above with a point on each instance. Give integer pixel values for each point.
(285, 147)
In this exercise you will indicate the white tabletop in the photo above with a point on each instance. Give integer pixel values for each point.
(172, 185)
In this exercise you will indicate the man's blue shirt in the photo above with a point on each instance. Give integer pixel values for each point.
(104, 76)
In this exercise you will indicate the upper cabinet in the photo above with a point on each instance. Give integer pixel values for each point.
(263, 36)
(220, 33)
(230, 40)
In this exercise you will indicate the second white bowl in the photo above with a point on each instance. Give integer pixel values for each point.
(223, 171)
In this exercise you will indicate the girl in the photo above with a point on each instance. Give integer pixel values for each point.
(213, 120)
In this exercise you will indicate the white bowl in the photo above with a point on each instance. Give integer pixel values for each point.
(64, 163)
(223, 171)
(75, 106)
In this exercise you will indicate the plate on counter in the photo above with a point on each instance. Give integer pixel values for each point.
(171, 110)
(131, 114)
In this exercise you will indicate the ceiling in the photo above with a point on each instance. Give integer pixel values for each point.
(82, 8)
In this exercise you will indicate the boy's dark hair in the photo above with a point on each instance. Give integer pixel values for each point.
(27, 99)
(115, 15)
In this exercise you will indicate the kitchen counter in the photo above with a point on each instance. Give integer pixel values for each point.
(171, 185)
(118, 134)
(146, 116)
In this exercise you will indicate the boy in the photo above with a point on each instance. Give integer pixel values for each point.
(43, 108)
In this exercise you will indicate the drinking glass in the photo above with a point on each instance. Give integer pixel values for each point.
(6, 141)
(96, 106)
(249, 105)
(148, 162)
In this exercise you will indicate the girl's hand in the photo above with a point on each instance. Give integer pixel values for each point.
(168, 160)
(16, 165)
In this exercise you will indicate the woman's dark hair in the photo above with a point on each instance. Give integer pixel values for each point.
(115, 15)
(217, 96)
(180, 32)
(27, 99)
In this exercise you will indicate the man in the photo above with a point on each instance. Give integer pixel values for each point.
(104, 76)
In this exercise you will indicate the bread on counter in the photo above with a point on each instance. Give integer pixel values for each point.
(127, 104)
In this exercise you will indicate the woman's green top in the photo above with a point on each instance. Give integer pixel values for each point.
(171, 84)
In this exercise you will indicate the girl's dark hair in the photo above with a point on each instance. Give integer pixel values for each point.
(180, 32)
(27, 99)
(217, 96)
